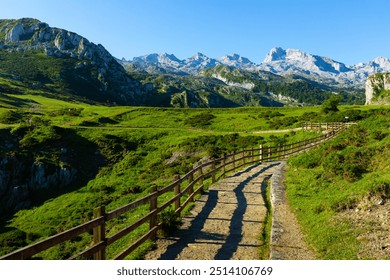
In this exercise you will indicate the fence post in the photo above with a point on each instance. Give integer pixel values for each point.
(261, 153)
(176, 191)
(153, 206)
(201, 175)
(253, 154)
(213, 172)
(224, 166)
(190, 180)
(243, 156)
(269, 152)
(278, 151)
(234, 161)
(99, 233)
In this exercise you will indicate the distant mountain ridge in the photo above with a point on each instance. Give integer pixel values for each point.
(278, 61)
(60, 63)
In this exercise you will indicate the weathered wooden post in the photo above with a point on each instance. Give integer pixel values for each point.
(261, 153)
(153, 207)
(278, 151)
(234, 161)
(99, 233)
(243, 156)
(201, 175)
(224, 165)
(253, 154)
(213, 180)
(269, 152)
(190, 182)
(176, 191)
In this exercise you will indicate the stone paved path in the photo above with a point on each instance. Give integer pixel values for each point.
(225, 223)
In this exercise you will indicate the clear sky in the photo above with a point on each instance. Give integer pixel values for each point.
(347, 31)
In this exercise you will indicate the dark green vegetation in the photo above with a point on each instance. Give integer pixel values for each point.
(325, 183)
(63, 78)
(294, 90)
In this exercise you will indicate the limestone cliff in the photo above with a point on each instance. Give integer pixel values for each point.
(378, 89)
(91, 66)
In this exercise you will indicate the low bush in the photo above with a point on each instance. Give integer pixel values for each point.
(170, 221)
(200, 120)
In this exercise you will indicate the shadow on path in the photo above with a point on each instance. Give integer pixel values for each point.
(235, 230)
(194, 232)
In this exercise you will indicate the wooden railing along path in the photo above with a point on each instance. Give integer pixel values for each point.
(184, 189)
(324, 126)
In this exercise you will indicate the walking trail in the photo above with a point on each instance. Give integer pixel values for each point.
(225, 223)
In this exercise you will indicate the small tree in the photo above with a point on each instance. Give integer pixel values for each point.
(330, 105)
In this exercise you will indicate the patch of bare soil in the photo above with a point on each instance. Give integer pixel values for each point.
(372, 217)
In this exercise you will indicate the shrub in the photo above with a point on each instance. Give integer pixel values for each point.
(200, 120)
(10, 117)
(331, 104)
(306, 160)
(334, 163)
(170, 221)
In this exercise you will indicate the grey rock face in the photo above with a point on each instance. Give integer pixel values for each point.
(374, 85)
(19, 178)
(111, 81)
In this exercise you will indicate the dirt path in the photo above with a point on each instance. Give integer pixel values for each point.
(278, 131)
(287, 241)
(225, 223)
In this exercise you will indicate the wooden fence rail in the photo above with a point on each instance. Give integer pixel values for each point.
(194, 180)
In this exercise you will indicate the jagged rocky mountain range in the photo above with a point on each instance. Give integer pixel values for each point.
(57, 61)
(289, 62)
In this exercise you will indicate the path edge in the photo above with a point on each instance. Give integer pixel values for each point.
(278, 190)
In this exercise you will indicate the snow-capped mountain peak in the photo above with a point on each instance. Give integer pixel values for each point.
(160, 59)
(382, 62)
(275, 54)
(236, 60)
(278, 61)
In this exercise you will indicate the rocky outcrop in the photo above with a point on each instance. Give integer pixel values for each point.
(20, 178)
(31, 34)
(378, 89)
(108, 77)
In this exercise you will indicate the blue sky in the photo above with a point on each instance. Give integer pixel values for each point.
(347, 31)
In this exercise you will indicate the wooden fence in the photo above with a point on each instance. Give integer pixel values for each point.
(184, 189)
(324, 126)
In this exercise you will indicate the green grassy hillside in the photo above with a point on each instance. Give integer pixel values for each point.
(120, 153)
(340, 191)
